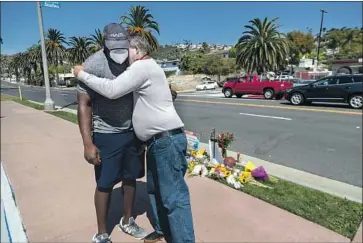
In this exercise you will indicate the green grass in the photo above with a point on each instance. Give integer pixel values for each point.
(5, 97)
(64, 115)
(61, 114)
(335, 213)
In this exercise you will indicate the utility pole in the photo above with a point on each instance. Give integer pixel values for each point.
(48, 104)
(319, 38)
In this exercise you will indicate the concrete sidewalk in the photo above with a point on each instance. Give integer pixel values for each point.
(43, 158)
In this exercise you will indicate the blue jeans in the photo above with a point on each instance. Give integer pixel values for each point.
(168, 191)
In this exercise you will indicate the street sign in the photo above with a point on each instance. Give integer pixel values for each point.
(51, 4)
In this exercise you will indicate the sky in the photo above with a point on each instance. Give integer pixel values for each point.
(212, 22)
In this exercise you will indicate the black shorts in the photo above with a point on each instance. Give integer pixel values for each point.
(120, 159)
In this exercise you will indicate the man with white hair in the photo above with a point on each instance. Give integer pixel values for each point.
(158, 125)
(109, 141)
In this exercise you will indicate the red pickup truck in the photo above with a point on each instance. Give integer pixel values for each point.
(251, 84)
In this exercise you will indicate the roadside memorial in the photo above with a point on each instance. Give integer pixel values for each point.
(235, 172)
(193, 141)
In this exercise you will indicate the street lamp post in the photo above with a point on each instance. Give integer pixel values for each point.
(319, 38)
(48, 104)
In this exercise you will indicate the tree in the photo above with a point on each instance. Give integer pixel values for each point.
(80, 49)
(187, 44)
(232, 53)
(300, 43)
(205, 48)
(167, 53)
(197, 62)
(192, 62)
(4, 65)
(217, 65)
(15, 65)
(262, 47)
(345, 42)
(97, 40)
(54, 46)
(26, 65)
(140, 21)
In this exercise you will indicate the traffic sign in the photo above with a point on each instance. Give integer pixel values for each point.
(51, 4)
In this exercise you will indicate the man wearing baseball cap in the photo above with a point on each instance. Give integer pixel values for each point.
(108, 137)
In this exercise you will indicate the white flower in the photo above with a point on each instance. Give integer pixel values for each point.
(211, 171)
(236, 173)
(237, 185)
(200, 170)
(204, 171)
(231, 180)
(199, 156)
(196, 170)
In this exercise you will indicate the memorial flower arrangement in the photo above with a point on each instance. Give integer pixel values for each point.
(224, 140)
(234, 172)
(239, 175)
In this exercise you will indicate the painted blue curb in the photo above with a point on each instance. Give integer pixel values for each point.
(10, 214)
(7, 227)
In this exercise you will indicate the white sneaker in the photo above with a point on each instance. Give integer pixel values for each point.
(132, 229)
(103, 238)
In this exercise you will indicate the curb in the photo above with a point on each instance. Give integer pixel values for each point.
(358, 235)
(333, 187)
(58, 108)
(11, 215)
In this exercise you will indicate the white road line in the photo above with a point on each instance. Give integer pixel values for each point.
(272, 117)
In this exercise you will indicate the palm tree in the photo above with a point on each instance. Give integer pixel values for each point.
(262, 47)
(15, 65)
(55, 49)
(97, 40)
(80, 49)
(140, 21)
(35, 60)
(25, 65)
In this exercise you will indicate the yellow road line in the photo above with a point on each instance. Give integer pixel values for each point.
(273, 106)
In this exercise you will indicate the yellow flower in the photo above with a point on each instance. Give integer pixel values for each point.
(227, 173)
(191, 164)
(245, 177)
(201, 152)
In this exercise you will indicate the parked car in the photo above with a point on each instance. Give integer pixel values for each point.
(300, 82)
(205, 85)
(221, 83)
(251, 84)
(345, 88)
(284, 77)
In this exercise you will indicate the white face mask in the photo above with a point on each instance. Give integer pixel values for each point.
(119, 55)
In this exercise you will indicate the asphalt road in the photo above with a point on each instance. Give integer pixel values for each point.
(322, 139)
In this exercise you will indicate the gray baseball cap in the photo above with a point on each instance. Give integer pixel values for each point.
(117, 42)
